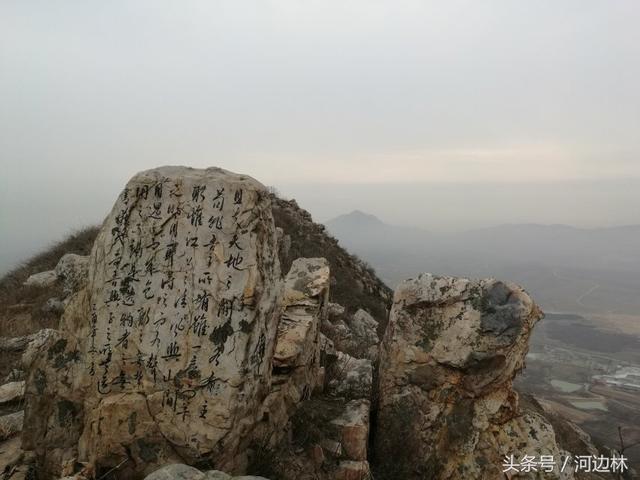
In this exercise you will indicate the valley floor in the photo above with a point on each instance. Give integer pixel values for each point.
(589, 374)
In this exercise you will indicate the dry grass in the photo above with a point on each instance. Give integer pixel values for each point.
(79, 242)
(21, 307)
(354, 283)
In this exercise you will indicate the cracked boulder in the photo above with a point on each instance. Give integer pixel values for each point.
(164, 354)
(447, 408)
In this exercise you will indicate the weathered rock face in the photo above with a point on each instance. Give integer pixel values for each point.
(11, 392)
(296, 358)
(350, 377)
(446, 404)
(42, 279)
(329, 437)
(165, 354)
(353, 334)
(72, 271)
(306, 293)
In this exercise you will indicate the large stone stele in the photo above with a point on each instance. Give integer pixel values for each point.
(447, 409)
(165, 354)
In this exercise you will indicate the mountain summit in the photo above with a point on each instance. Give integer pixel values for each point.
(356, 217)
(216, 325)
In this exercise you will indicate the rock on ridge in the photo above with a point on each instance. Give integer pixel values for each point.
(42, 279)
(72, 271)
(165, 353)
(296, 359)
(447, 408)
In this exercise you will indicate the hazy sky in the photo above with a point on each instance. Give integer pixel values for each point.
(448, 114)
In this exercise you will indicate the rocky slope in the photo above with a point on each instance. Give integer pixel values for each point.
(354, 284)
(216, 325)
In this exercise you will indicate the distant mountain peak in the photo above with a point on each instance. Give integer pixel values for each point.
(357, 217)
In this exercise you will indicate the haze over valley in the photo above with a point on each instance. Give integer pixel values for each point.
(211, 206)
(595, 271)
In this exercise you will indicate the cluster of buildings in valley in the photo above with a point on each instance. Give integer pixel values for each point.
(602, 370)
(626, 377)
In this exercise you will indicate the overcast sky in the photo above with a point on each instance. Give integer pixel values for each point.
(446, 115)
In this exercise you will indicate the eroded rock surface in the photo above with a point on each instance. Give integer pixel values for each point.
(296, 358)
(72, 270)
(353, 334)
(329, 436)
(447, 408)
(42, 279)
(305, 297)
(350, 377)
(11, 392)
(165, 353)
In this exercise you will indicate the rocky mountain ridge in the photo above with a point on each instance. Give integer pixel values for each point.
(182, 342)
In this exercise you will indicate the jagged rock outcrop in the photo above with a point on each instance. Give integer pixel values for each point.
(20, 344)
(296, 359)
(165, 354)
(354, 334)
(447, 409)
(306, 291)
(329, 432)
(350, 377)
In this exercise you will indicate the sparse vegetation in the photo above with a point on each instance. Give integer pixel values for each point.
(12, 291)
(21, 311)
(354, 283)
